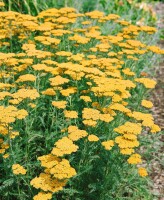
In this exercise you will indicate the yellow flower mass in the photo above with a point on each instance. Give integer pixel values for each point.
(71, 74)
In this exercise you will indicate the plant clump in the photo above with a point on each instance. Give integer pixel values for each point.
(65, 76)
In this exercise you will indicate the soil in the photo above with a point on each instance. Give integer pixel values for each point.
(157, 165)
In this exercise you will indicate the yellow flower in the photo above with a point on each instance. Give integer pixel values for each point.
(2, 4)
(48, 161)
(148, 83)
(49, 92)
(6, 155)
(25, 93)
(71, 114)
(106, 117)
(8, 114)
(64, 146)
(142, 172)
(112, 16)
(28, 47)
(128, 72)
(58, 80)
(14, 101)
(86, 98)
(89, 122)
(67, 92)
(124, 143)
(95, 14)
(18, 169)
(130, 136)
(39, 67)
(126, 151)
(134, 159)
(154, 49)
(63, 53)
(108, 144)
(13, 134)
(26, 77)
(155, 128)
(129, 127)
(59, 104)
(21, 114)
(86, 22)
(75, 133)
(2, 151)
(93, 138)
(94, 49)
(119, 107)
(147, 104)
(3, 131)
(135, 43)
(32, 105)
(5, 146)
(4, 94)
(112, 54)
(62, 170)
(47, 183)
(77, 57)
(89, 113)
(79, 39)
(43, 196)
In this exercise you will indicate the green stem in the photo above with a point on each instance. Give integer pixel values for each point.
(27, 6)
(13, 158)
(9, 5)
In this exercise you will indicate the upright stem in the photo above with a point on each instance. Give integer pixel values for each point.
(13, 158)
(27, 6)
(66, 3)
(9, 6)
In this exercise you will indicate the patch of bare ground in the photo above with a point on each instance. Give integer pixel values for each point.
(157, 163)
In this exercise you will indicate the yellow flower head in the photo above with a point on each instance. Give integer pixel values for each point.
(147, 104)
(58, 80)
(18, 169)
(71, 114)
(62, 170)
(142, 172)
(148, 83)
(93, 138)
(49, 92)
(134, 159)
(2, 4)
(86, 98)
(43, 196)
(59, 104)
(26, 77)
(64, 146)
(108, 144)
(75, 133)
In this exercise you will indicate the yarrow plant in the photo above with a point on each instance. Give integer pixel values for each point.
(72, 103)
